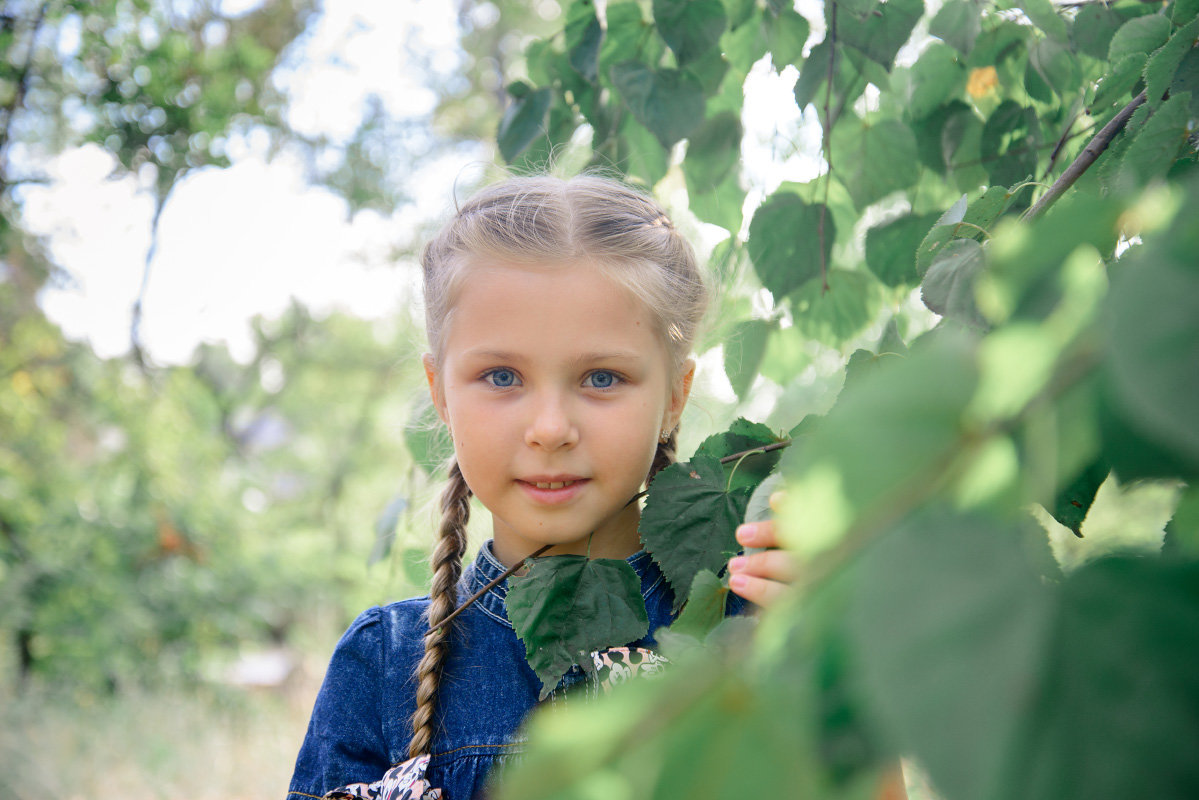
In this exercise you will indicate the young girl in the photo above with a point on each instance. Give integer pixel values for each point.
(561, 317)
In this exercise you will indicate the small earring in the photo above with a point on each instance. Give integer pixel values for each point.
(665, 435)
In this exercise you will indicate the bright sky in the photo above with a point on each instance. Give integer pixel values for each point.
(245, 240)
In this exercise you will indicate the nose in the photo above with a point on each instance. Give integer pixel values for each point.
(551, 425)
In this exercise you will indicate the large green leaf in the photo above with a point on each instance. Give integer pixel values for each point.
(785, 242)
(1154, 148)
(937, 78)
(874, 158)
(890, 434)
(689, 520)
(568, 606)
(1141, 35)
(1009, 143)
(712, 152)
(1152, 321)
(1093, 28)
(1163, 64)
(743, 353)
(668, 102)
(836, 314)
(785, 36)
(705, 606)
(1004, 686)
(880, 34)
(584, 36)
(948, 286)
(523, 121)
(1044, 15)
(958, 24)
(689, 27)
(891, 248)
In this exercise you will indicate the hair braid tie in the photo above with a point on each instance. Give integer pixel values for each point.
(443, 597)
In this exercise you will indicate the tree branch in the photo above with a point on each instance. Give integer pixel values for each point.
(1085, 159)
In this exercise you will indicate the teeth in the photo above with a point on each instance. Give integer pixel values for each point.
(553, 484)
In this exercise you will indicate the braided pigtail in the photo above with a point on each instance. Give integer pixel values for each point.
(447, 569)
(664, 456)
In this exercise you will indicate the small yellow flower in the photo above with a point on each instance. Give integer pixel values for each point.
(982, 80)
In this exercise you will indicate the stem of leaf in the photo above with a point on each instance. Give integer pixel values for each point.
(728, 487)
(492, 584)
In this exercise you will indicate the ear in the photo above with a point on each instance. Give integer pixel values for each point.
(435, 388)
(680, 390)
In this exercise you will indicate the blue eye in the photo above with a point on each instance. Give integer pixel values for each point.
(602, 379)
(501, 378)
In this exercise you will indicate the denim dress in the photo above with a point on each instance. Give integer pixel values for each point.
(361, 723)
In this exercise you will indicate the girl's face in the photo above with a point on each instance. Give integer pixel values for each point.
(555, 387)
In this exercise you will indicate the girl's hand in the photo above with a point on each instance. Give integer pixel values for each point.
(760, 577)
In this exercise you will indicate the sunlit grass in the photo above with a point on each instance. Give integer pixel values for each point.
(209, 743)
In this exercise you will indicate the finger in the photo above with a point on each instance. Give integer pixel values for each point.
(775, 565)
(759, 591)
(757, 534)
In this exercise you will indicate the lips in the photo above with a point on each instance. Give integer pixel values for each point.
(552, 489)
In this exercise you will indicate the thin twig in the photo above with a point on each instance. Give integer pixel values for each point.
(1085, 159)
(508, 573)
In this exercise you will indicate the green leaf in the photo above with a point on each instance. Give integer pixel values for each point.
(743, 43)
(1056, 66)
(889, 434)
(785, 242)
(712, 152)
(785, 36)
(743, 353)
(1141, 35)
(1074, 499)
(879, 36)
(1185, 11)
(721, 204)
(874, 159)
(785, 356)
(1116, 86)
(1067, 666)
(568, 606)
(1044, 15)
(624, 38)
(640, 154)
(948, 286)
(958, 24)
(741, 436)
(584, 36)
(1155, 147)
(937, 77)
(1162, 65)
(891, 248)
(667, 102)
(689, 27)
(1009, 143)
(835, 315)
(962, 221)
(523, 121)
(689, 521)
(705, 606)
(1093, 28)
(1153, 324)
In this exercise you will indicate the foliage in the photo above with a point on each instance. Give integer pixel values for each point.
(1028, 173)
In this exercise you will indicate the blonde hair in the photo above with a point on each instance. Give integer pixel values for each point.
(550, 221)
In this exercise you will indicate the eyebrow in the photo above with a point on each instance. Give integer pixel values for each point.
(598, 355)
